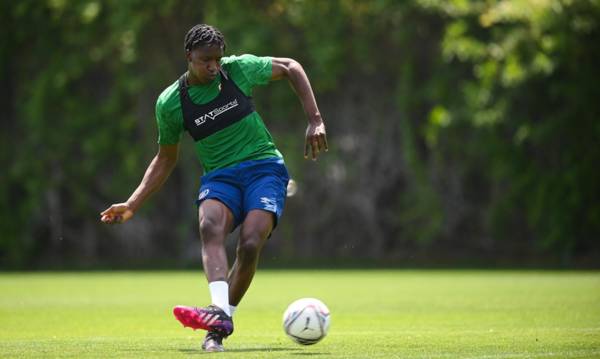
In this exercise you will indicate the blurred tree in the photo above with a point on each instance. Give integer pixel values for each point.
(527, 106)
(457, 128)
(71, 125)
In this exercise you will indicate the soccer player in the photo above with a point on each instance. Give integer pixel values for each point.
(245, 178)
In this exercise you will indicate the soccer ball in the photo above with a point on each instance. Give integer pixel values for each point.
(306, 321)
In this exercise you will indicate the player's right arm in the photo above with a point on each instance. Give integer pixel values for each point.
(157, 173)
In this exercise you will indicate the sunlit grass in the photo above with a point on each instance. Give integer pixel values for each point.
(375, 314)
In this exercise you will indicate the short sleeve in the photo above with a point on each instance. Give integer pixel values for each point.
(258, 70)
(250, 70)
(170, 128)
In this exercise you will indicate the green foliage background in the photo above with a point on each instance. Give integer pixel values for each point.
(458, 129)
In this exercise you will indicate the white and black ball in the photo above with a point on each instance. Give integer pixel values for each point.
(306, 321)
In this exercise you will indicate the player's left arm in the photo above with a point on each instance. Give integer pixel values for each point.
(316, 136)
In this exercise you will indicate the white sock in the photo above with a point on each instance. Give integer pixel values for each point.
(219, 293)
(232, 309)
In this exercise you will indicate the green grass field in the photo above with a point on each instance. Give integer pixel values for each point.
(375, 314)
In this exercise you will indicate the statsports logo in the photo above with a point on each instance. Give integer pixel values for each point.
(216, 112)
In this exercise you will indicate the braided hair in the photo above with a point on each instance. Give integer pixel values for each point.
(201, 35)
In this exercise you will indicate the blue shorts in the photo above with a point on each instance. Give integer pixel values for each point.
(257, 184)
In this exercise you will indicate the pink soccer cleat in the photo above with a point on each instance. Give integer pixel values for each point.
(211, 318)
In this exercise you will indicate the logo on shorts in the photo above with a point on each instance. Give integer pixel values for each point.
(203, 194)
(269, 204)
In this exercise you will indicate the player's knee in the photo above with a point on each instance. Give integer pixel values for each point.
(249, 246)
(210, 228)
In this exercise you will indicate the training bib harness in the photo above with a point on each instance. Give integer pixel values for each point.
(229, 107)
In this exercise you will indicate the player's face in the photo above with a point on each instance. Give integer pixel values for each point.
(204, 63)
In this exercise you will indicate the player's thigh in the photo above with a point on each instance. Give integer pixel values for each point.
(257, 226)
(215, 218)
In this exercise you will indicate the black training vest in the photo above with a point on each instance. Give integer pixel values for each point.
(229, 107)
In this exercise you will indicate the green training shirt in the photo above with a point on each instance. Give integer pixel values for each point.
(247, 139)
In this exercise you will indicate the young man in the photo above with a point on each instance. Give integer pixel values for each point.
(245, 179)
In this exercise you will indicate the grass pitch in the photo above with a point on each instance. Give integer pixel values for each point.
(375, 314)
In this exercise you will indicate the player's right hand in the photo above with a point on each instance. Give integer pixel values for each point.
(117, 213)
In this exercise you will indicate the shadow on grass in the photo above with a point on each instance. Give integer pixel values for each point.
(310, 353)
(248, 350)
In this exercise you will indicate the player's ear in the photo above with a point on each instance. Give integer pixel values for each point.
(188, 56)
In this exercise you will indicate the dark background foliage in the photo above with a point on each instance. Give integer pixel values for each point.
(461, 132)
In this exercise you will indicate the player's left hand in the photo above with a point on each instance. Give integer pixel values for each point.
(316, 139)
